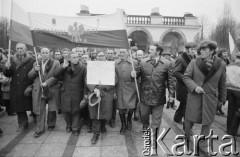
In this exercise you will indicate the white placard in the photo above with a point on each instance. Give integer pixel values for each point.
(101, 72)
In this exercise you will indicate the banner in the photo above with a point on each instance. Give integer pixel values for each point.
(101, 72)
(90, 31)
(19, 25)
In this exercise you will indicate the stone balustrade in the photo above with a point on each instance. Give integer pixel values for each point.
(169, 20)
(138, 19)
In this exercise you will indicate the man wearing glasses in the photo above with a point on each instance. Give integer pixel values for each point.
(18, 68)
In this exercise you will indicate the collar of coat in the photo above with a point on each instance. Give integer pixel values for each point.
(160, 59)
(186, 57)
(48, 65)
(23, 62)
(128, 60)
(203, 68)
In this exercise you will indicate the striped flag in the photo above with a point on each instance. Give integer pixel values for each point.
(19, 25)
(59, 31)
(233, 48)
(90, 31)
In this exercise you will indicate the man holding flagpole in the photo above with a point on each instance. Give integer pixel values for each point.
(125, 89)
(44, 91)
(18, 67)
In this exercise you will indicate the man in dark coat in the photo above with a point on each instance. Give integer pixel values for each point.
(205, 78)
(167, 55)
(58, 57)
(181, 90)
(110, 57)
(41, 98)
(106, 92)
(73, 84)
(18, 68)
(155, 75)
(223, 54)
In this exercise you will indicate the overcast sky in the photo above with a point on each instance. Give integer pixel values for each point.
(210, 8)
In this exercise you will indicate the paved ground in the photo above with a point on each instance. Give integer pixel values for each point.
(59, 143)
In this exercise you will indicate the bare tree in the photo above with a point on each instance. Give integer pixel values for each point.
(4, 24)
(205, 27)
(226, 23)
(237, 39)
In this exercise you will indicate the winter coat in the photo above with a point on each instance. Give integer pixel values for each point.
(154, 77)
(73, 86)
(125, 88)
(201, 108)
(106, 104)
(20, 81)
(51, 81)
(178, 72)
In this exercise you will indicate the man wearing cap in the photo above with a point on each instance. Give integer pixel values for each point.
(181, 90)
(205, 79)
(233, 96)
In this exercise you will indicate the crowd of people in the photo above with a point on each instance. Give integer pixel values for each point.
(202, 79)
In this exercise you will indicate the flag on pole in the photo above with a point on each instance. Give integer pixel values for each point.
(19, 25)
(90, 31)
(233, 48)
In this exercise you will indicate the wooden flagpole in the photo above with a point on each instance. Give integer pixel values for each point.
(135, 79)
(9, 42)
(39, 73)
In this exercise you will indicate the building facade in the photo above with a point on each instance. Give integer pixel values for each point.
(171, 32)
